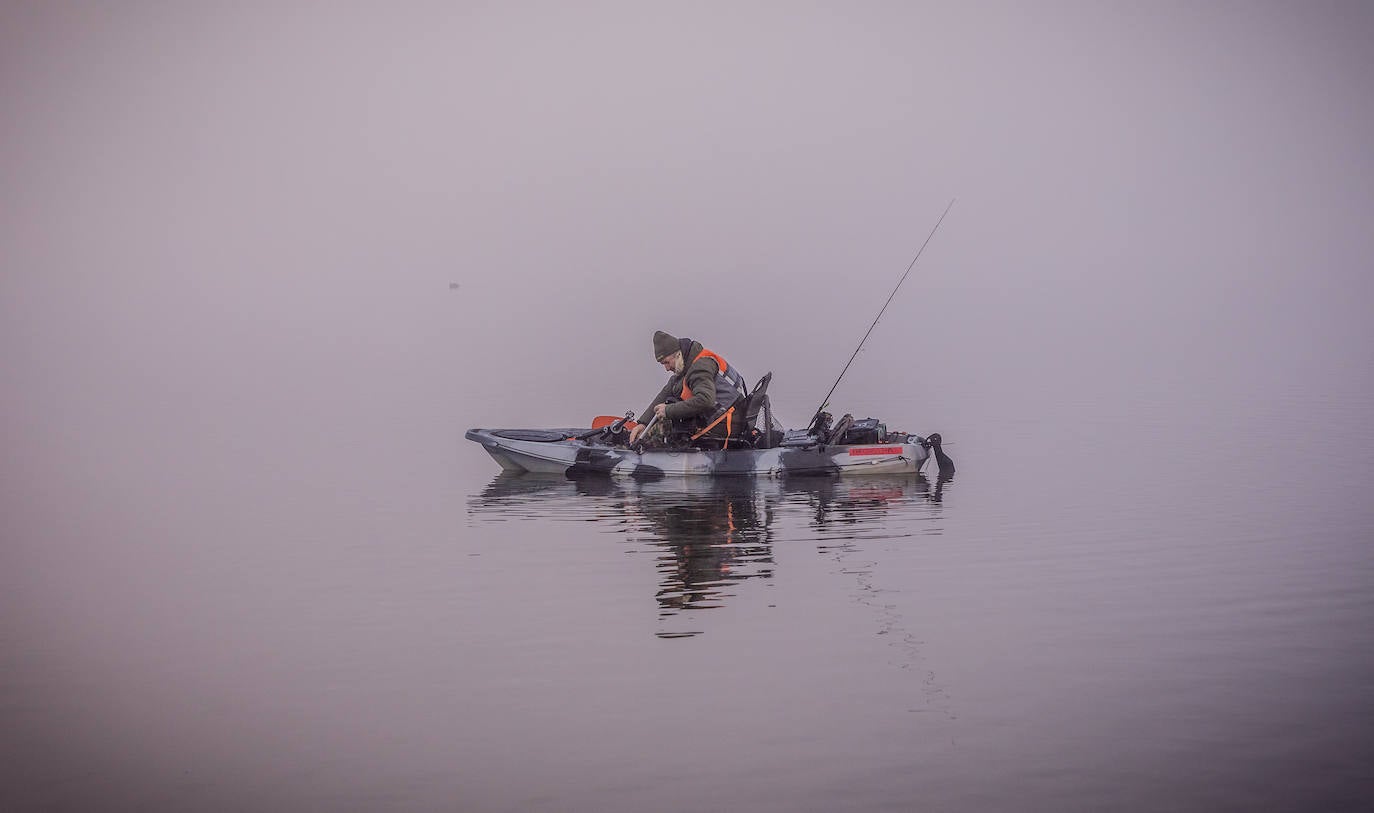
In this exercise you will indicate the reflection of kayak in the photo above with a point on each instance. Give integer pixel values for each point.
(520, 488)
(558, 451)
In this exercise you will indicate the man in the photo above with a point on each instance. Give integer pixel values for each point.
(706, 385)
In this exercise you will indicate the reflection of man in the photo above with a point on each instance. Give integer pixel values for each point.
(701, 392)
(709, 540)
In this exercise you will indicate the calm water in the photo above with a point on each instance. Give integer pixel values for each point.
(1139, 606)
(1131, 616)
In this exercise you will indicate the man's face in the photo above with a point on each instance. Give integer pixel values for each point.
(673, 363)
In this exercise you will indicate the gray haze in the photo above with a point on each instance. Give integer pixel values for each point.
(261, 264)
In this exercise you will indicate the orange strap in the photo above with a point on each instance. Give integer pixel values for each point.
(725, 416)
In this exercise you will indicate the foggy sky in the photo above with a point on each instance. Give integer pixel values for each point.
(277, 193)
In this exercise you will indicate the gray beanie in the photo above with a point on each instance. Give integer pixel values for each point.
(664, 345)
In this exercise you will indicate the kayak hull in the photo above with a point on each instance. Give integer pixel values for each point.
(555, 451)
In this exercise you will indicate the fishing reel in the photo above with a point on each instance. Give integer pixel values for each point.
(616, 434)
(820, 425)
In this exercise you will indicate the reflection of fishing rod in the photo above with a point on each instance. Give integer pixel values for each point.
(826, 400)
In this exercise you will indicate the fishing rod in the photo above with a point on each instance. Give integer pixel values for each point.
(826, 400)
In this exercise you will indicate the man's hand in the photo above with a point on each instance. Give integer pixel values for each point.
(660, 411)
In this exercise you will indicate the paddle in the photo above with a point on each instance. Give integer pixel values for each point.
(608, 425)
(606, 420)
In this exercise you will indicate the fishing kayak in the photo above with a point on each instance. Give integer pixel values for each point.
(580, 451)
(848, 447)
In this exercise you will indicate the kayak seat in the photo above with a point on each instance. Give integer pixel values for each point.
(749, 425)
(756, 428)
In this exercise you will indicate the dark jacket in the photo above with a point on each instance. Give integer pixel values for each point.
(700, 376)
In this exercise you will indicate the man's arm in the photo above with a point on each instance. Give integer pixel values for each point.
(674, 384)
(701, 380)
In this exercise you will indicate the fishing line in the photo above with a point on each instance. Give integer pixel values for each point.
(826, 399)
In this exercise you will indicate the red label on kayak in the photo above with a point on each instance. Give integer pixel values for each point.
(875, 450)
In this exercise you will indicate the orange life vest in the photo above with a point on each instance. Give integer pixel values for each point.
(735, 384)
(720, 362)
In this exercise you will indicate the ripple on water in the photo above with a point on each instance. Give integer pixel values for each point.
(710, 536)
